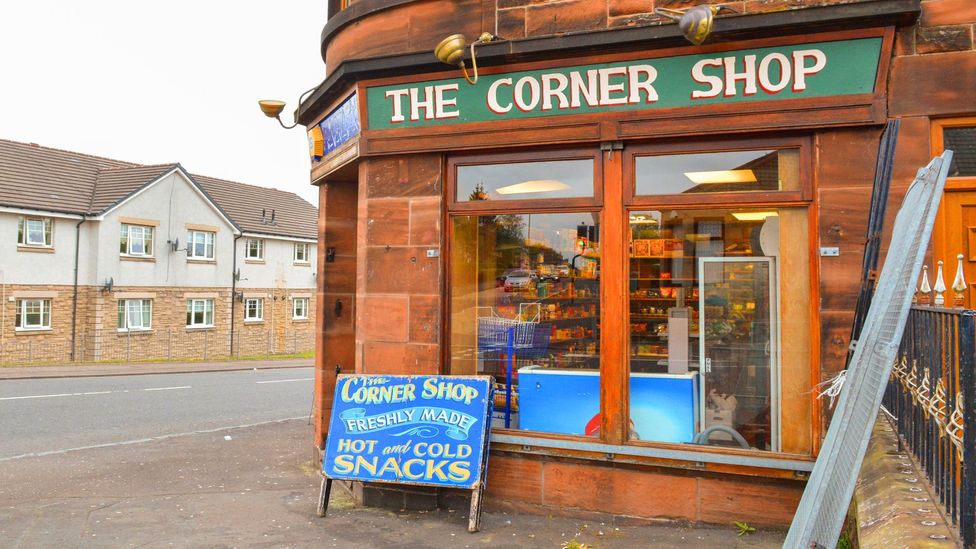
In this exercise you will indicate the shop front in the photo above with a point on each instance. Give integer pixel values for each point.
(652, 247)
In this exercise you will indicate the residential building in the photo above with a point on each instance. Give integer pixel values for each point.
(102, 259)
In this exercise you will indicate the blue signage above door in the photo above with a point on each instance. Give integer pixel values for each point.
(430, 430)
(341, 125)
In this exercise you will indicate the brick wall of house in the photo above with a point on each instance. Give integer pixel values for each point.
(98, 337)
(399, 298)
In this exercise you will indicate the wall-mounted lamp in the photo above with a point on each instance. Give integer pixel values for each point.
(695, 23)
(451, 52)
(272, 108)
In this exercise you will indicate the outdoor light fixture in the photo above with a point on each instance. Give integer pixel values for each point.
(451, 51)
(272, 108)
(695, 23)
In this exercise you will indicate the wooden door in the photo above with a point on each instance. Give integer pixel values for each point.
(955, 233)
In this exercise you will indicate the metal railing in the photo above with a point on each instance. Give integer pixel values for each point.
(932, 379)
(167, 344)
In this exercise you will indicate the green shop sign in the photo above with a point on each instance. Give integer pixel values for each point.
(821, 69)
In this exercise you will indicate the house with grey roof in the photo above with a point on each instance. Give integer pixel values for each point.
(102, 259)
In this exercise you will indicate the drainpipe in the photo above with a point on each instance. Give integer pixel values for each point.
(74, 293)
(233, 292)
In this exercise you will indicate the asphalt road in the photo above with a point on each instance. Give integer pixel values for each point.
(52, 416)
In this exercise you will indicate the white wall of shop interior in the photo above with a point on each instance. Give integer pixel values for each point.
(173, 202)
(278, 269)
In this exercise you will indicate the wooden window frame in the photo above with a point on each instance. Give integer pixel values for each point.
(802, 195)
(939, 125)
(529, 205)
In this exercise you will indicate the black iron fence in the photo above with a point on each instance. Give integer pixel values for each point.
(931, 394)
(156, 345)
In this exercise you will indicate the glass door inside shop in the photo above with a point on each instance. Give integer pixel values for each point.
(738, 349)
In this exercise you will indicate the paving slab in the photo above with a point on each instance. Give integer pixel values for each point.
(257, 487)
(146, 368)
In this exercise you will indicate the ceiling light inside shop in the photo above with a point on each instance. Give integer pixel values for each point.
(533, 186)
(722, 176)
(753, 216)
(641, 219)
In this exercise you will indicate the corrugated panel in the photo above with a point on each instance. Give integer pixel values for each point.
(825, 501)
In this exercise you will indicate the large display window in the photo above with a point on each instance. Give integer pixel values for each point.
(713, 298)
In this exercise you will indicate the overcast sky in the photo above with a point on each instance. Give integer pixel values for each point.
(159, 82)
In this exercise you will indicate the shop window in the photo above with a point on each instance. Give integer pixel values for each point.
(34, 231)
(962, 142)
(254, 249)
(704, 322)
(33, 314)
(135, 314)
(525, 309)
(199, 313)
(253, 309)
(718, 172)
(200, 244)
(538, 180)
(136, 240)
(299, 308)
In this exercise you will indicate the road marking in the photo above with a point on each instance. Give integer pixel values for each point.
(286, 380)
(89, 393)
(151, 439)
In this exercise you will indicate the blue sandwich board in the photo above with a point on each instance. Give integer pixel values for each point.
(424, 430)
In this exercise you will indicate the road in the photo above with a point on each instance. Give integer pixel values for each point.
(53, 416)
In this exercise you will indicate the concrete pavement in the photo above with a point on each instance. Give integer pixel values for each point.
(142, 368)
(256, 487)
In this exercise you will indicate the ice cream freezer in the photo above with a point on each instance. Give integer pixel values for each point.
(663, 407)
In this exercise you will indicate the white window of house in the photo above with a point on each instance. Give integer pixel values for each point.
(136, 240)
(34, 231)
(254, 249)
(301, 252)
(299, 308)
(254, 309)
(33, 314)
(135, 314)
(199, 313)
(200, 244)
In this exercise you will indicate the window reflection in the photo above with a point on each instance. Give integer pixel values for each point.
(525, 180)
(525, 308)
(739, 171)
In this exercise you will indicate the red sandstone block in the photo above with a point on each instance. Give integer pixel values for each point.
(511, 23)
(513, 479)
(948, 12)
(905, 42)
(570, 16)
(943, 39)
(932, 84)
(385, 318)
(621, 491)
(425, 221)
(380, 357)
(405, 270)
(617, 8)
(387, 222)
(752, 500)
(425, 318)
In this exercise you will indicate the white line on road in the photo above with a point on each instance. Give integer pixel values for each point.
(151, 439)
(285, 380)
(27, 397)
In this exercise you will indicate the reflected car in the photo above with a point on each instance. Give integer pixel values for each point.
(518, 280)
